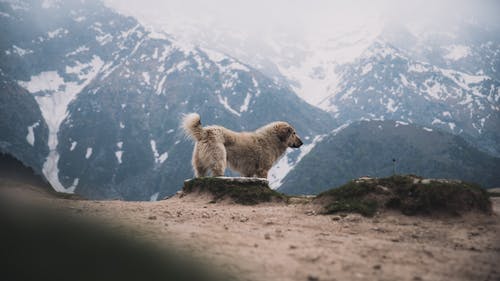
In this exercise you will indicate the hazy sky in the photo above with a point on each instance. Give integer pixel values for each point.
(305, 14)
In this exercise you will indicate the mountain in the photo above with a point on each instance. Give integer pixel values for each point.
(386, 83)
(367, 148)
(439, 72)
(108, 95)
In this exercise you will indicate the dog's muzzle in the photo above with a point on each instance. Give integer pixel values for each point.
(297, 144)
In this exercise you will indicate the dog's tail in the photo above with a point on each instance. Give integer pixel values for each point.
(192, 126)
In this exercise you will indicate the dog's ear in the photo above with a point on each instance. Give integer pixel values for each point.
(284, 132)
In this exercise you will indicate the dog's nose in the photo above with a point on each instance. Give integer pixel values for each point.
(300, 143)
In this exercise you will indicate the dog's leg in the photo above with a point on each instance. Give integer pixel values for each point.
(199, 167)
(218, 160)
(200, 171)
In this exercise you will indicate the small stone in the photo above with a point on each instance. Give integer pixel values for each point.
(205, 215)
(152, 218)
(336, 218)
(267, 236)
(310, 213)
(417, 278)
(377, 266)
(268, 221)
(243, 219)
(312, 278)
(292, 247)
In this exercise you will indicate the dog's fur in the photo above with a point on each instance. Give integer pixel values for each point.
(249, 153)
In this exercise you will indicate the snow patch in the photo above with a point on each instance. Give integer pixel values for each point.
(284, 165)
(366, 68)
(154, 197)
(401, 123)
(73, 146)
(20, 51)
(78, 50)
(146, 77)
(246, 102)
(88, 153)
(104, 39)
(214, 55)
(159, 159)
(74, 185)
(80, 19)
(457, 52)
(57, 33)
(118, 155)
(391, 106)
(53, 96)
(226, 105)
(159, 86)
(30, 138)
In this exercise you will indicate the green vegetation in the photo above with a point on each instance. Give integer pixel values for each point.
(241, 192)
(410, 194)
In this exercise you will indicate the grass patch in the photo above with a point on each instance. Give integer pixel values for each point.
(241, 192)
(410, 194)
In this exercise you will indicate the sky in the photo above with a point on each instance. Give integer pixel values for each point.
(304, 15)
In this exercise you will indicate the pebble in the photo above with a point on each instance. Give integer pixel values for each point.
(312, 278)
(151, 217)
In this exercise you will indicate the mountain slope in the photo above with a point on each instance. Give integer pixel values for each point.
(367, 148)
(24, 133)
(385, 83)
(112, 94)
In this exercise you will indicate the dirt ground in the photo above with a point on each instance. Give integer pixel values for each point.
(291, 242)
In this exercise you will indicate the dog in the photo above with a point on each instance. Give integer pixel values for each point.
(252, 154)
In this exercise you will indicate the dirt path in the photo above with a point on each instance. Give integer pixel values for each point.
(291, 242)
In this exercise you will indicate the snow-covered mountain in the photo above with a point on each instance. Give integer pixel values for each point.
(106, 95)
(441, 72)
(385, 83)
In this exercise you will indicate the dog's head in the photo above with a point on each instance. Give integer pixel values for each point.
(287, 135)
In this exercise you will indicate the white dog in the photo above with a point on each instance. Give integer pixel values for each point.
(249, 153)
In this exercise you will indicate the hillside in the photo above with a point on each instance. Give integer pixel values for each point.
(270, 241)
(367, 148)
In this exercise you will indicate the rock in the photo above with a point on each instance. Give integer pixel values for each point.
(240, 190)
(312, 278)
(310, 212)
(267, 236)
(152, 218)
(377, 266)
